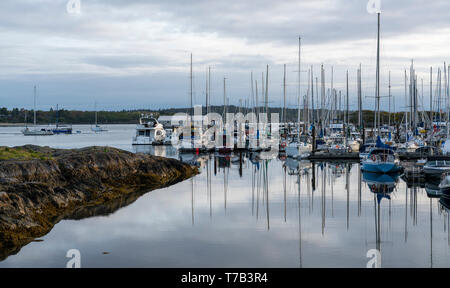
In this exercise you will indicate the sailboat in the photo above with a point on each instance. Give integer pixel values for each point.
(254, 136)
(194, 141)
(227, 142)
(97, 128)
(382, 158)
(61, 128)
(446, 144)
(299, 148)
(35, 131)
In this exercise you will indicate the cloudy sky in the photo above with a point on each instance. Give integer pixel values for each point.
(126, 54)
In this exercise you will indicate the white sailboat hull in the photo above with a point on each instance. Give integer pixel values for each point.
(43, 132)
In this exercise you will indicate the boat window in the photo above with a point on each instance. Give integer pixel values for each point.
(147, 133)
(141, 133)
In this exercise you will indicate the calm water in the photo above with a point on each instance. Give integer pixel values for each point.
(247, 211)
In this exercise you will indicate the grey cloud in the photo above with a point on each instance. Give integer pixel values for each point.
(123, 61)
(39, 36)
(316, 20)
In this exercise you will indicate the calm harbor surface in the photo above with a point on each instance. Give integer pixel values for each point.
(246, 210)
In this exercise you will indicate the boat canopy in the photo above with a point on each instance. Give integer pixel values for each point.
(382, 145)
(438, 163)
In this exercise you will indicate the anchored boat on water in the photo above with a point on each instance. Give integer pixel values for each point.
(36, 132)
(381, 160)
(42, 132)
(97, 128)
(149, 132)
(436, 168)
(62, 129)
(298, 149)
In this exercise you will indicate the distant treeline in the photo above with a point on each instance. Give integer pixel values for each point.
(68, 116)
(132, 116)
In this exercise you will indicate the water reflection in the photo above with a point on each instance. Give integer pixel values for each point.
(261, 210)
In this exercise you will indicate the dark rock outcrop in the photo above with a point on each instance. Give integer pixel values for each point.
(73, 184)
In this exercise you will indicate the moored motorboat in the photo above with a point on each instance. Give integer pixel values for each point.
(354, 145)
(435, 169)
(98, 129)
(298, 150)
(149, 132)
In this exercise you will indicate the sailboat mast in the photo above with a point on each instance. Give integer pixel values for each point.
(333, 96)
(389, 99)
(284, 95)
(267, 90)
(262, 91)
(57, 115)
(191, 91)
(431, 98)
(34, 106)
(224, 97)
(347, 110)
(308, 92)
(317, 95)
(312, 96)
(257, 102)
(95, 108)
(299, 84)
(322, 95)
(206, 92)
(440, 94)
(360, 120)
(209, 89)
(253, 92)
(378, 75)
(406, 110)
(446, 92)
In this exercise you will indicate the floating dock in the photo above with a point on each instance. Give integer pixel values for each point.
(321, 156)
(417, 156)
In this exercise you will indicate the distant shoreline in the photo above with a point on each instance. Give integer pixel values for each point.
(12, 124)
(5, 125)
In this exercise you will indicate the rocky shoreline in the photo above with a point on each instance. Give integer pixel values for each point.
(38, 191)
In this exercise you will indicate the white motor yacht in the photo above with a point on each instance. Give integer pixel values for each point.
(149, 132)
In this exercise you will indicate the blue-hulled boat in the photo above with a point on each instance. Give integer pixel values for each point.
(381, 160)
(62, 129)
